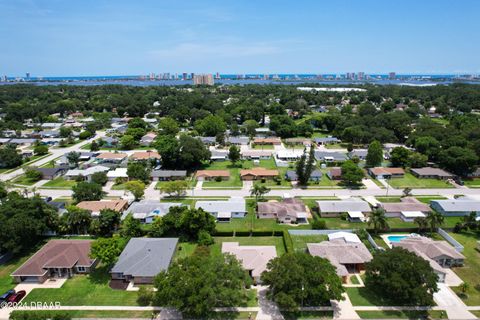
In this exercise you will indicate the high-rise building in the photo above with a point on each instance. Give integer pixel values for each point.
(27, 75)
(4, 78)
(361, 75)
(217, 76)
(203, 79)
(184, 76)
(392, 75)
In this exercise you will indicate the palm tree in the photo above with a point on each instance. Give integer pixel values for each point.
(379, 220)
(470, 221)
(77, 220)
(258, 191)
(422, 223)
(435, 220)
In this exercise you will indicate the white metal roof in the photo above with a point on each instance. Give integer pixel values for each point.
(413, 214)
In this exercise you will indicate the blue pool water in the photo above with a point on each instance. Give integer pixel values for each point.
(396, 238)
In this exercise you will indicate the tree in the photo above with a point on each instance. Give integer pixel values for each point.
(76, 220)
(210, 126)
(9, 157)
(421, 222)
(138, 171)
(131, 228)
(87, 191)
(220, 138)
(435, 220)
(352, 175)
(234, 154)
(249, 127)
(127, 142)
(258, 191)
(176, 188)
(407, 192)
(137, 188)
(33, 174)
(145, 296)
(298, 279)
(187, 223)
(300, 170)
(458, 160)
(169, 126)
(40, 150)
(65, 132)
(428, 145)
(402, 277)
(73, 158)
(85, 135)
(107, 250)
(99, 178)
(374, 155)
(24, 221)
(94, 146)
(216, 280)
(417, 160)
(378, 219)
(400, 157)
(169, 148)
(192, 152)
(137, 123)
(108, 222)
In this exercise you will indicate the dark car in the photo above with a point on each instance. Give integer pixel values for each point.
(4, 297)
(17, 297)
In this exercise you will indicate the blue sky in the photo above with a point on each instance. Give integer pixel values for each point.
(117, 37)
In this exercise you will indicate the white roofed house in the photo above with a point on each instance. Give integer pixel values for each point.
(457, 207)
(117, 173)
(254, 259)
(355, 208)
(289, 210)
(224, 210)
(85, 173)
(147, 210)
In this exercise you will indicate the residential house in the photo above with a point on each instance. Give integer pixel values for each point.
(52, 173)
(166, 175)
(262, 132)
(462, 206)
(144, 258)
(407, 209)
(335, 173)
(258, 174)
(326, 140)
(147, 210)
(439, 254)
(145, 155)
(57, 259)
(96, 206)
(355, 208)
(358, 153)
(22, 141)
(254, 259)
(327, 156)
(109, 142)
(289, 154)
(49, 134)
(256, 154)
(241, 140)
(267, 141)
(431, 173)
(147, 139)
(346, 257)
(208, 175)
(51, 125)
(224, 210)
(209, 141)
(298, 141)
(117, 173)
(386, 172)
(289, 210)
(291, 175)
(218, 155)
(111, 157)
(348, 237)
(86, 174)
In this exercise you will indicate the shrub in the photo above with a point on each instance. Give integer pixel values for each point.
(218, 179)
(204, 238)
(319, 224)
(144, 296)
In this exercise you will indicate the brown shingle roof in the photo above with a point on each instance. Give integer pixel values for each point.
(386, 170)
(406, 204)
(267, 141)
(112, 155)
(289, 207)
(96, 206)
(145, 155)
(213, 173)
(259, 172)
(57, 254)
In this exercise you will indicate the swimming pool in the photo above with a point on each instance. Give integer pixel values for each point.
(396, 238)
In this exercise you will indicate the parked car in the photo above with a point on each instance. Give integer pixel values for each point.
(4, 297)
(17, 297)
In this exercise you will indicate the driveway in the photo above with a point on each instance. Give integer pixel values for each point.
(268, 309)
(453, 305)
(344, 309)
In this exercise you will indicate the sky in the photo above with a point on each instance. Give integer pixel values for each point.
(119, 37)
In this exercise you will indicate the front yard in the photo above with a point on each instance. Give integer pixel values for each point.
(24, 181)
(59, 183)
(410, 181)
(473, 183)
(86, 290)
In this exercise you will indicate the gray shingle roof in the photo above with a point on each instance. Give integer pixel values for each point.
(337, 156)
(146, 257)
(343, 206)
(168, 173)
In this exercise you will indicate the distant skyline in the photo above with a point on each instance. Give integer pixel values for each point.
(98, 37)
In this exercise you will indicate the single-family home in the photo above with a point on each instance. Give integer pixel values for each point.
(22, 141)
(289, 154)
(289, 210)
(462, 206)
(218, 155)
(262, 132)
(256, 154)
(117, 173)
(431, 173)
(52, 173)
(326, 140)
(144, 258)
(86, 174)
(96, 206)
(224, 210)
(328, 156)
(208, 175)
(209, 141)
(147, 210)
(165, 175)
(241, 140)
(335, 173)
(144, 155)
(254, 259)
(439, 254)
(147, 139)
(386, 172)
(298, 141)
(291, 175)
(354, 207)
(57, 259)
(267, 141)
(358, 153)
(111, 157)
(348, 237)
(109, 142)
(258, 173)
(346, 257)
(407, 209)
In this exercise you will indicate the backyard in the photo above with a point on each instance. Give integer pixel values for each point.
(300, 242)
(410, 181)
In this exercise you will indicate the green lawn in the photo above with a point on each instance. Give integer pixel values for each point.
(59, 183)
(307, 315)
(233, 182)
(184, 249)
(23, 180)
(412, 182)
(191, 183)
(112, 314)
(120, 186)
(325, 182)
(262, 146)
(388, 199)
(300, 242)
(473, 183)
(86, 290)
(216, 248)
(361, 296)
(432, 314)
(470, 272)
(427, 199)
(6, 269)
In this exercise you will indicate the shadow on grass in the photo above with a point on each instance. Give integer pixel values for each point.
(100, 275)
